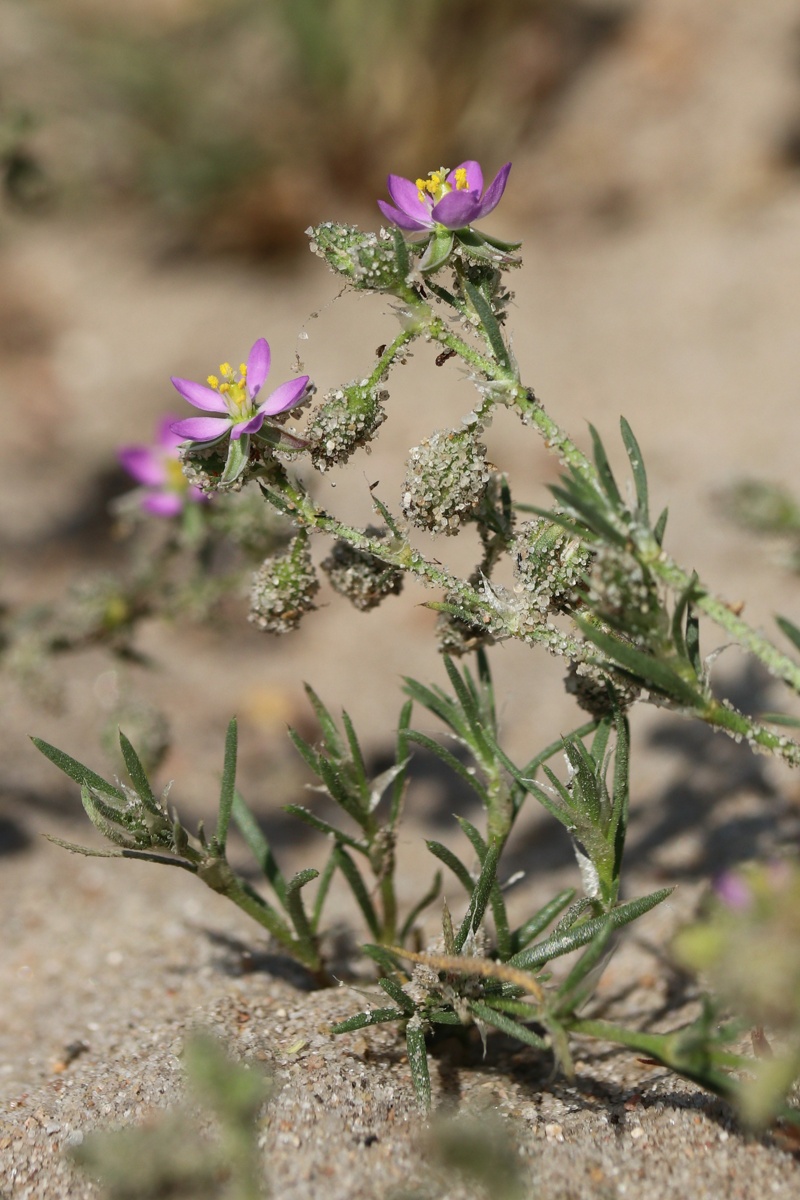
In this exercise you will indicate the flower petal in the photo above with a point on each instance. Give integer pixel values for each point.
(285, 396)
(401, 219)
(202, 429)
(474, 175)
(251, 426)
(257, 366)
(495, 190)
(406, 196)
(199, 395)
(142, 465)
(457, 209)
(163, 504)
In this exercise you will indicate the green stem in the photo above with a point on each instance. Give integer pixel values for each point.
(293, 500)
(555, 438)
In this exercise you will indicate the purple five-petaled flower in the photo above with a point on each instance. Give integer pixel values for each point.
(165, 489)
(235, 399)
(453, 200)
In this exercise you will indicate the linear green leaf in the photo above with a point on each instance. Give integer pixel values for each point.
(638, 469)
(76, 770)
(564, 943)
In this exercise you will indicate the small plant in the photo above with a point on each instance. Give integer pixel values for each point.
(593, 583)
(170, 1156)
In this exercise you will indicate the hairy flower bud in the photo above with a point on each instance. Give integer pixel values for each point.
(624, 593)
(446, 479)
(368, 260)
(283, 589)
(348, 419)
(457, 637)
(550, 566)
(599, 693)
(360, 576)
(203, 466)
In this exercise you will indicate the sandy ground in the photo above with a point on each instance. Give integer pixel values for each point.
(660, 281)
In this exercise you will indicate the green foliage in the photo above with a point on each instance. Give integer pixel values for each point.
(174, 1155)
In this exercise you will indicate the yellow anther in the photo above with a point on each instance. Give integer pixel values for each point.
(225, 387)
(213, 382)
(225, 368)
(243, 369)
(461, 179)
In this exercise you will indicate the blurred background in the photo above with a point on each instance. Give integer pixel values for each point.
(160, 162)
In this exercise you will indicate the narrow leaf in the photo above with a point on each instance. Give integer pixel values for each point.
(604, 471)
(480, 895)
(362, 1020)
(76, 770)
(228, 786)
(357, 758)
(295, 907)
(259, 846)
(418, 1062)
(395, 992)
(792, 632)
(388, 962)
(327, 724)
(455, 764)
(322, 891)
(637, 467)
(650, 671)
(660, 527)
(490, 1016)
(454, 863)
(429, 897)
(574, 990)
(138, 776)
(325, 827)
(541, 919)
(556, 945)
(401, 756)
(357, 886)
(489, 323)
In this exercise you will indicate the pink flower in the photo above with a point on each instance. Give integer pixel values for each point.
(233, 398)
(453, 199)
(164, 487)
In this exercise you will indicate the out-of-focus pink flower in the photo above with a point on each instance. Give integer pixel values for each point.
(164, 487)
(734, 891)
(234, 399)
(451, 199)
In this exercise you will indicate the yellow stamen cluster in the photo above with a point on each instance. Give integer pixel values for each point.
(437, 186)
(232, 388)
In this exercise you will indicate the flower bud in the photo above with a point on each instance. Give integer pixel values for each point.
(592, 690)
(550, 566)
(348, 419)
(457, 637)
(624, 593)
(360, 576)
(446, 479)
(283, 589)
(368, 260)
(203, 466)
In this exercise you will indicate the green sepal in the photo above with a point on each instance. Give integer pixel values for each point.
(238, 456)
(438, 251)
